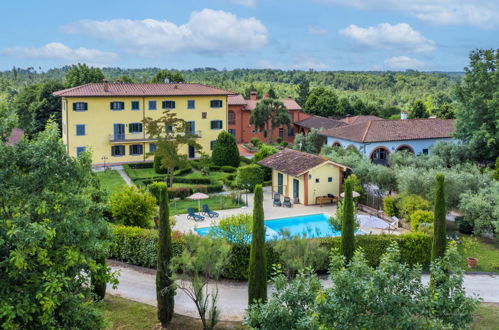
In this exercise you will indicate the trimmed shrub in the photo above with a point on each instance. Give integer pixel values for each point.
(225, 152)
(214, 168)
(155, 189)
(179, 192)
(132, 207)
(202, 188)
(421, 216)
(157, 166)
(245, 160)
(216, 187)
(389, 205)
(192, 180)
(408, 204)
(183, 171)
(249, 176)
(140, 165)
(228, 169)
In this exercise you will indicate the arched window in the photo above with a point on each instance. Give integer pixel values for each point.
(380, 156)
(232, 117)
(336, 144)
(405, 147)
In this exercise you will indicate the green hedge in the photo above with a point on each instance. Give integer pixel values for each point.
(192, 180)
(245, 160)
(228, 169)
(137, 246)
(141, 165)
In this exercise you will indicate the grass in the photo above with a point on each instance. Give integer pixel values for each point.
(110, 180)
(213, 176)
(140, 173)
(125, 314)
(485, 250)
(215, 202)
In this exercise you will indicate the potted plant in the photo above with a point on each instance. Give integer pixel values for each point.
(469, 246)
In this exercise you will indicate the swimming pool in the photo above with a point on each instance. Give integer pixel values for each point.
(313, 225)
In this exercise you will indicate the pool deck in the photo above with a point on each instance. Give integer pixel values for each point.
(271, 212)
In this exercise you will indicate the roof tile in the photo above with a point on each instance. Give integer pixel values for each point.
(292, 162)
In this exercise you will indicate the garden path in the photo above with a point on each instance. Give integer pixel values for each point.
(139, 284)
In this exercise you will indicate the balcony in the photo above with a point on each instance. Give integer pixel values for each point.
(139, 137)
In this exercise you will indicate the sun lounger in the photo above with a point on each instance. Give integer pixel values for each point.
(208, 212)
(192, 215)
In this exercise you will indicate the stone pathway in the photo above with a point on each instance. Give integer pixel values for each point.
(139, 284)
(125, 177)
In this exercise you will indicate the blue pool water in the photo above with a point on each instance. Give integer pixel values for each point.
(314, 225)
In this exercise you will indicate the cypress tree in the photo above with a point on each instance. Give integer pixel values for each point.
(496, 174)
(164, 292)
(347, 226)
(225, 152)
(257, 284)
(440, 222)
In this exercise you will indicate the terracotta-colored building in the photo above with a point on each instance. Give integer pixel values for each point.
(239, 119)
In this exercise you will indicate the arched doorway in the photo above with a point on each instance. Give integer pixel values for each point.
(336, 144)
(405, 147)
(380, 156)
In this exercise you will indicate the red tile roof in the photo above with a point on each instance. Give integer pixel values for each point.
(124, 89)
(288, 102)
(359, 119)
(320, 122)
(15, 136)
(394, 130)
(292, 162)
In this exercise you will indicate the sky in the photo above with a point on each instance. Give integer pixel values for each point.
(425, 35)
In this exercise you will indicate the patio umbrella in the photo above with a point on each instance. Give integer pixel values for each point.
(354, 194)
(198, 196)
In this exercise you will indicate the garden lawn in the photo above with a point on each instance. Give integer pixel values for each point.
(215, 202)
(140, 173)
(486, 317)
(126, 314)
(487, 253)
(215, 177)
(110, 180)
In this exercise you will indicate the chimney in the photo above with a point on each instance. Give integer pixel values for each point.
(252, 95)
(403, 115)
(106, 85)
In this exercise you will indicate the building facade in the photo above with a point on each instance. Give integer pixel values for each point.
(106, 119)
(239, 119)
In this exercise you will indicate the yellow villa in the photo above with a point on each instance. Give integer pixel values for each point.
(305, 178)
(106, 118)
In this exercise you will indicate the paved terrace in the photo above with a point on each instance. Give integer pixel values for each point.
(271, 212)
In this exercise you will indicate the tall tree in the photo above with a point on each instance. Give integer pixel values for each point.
(163, 76)
(225, 151)
(82, 74)
(257, 277)
(165, 292)
(8, 121)
(303, 90)
(271, 93)
(477, 116)
(496, 172)
(418, 110)
(53, 233)
(268, 115)
(440, 222)
(171, 133)
(348, 225)
(322, 102)
(311, 143)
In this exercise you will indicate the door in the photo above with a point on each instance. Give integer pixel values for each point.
(119, 132)
(280, 178)
(192, 152)
(296, 188)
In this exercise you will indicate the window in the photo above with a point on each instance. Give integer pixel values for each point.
(136, 149)
(425, 151)
(291, 131)
(116, 106)
(118, 151)
(212, 144)
(216, 124)
(152, 147)
(168, 104)
(232, 117)
(281, 132)
(232, 131)
(80, 106)
(135, 128)
(330, 179)
(316, 180)
(135, 105)
(190, 127)
(169, 128)
(191, 104)
(152, 105)
(216, 103)
(203, 115)
(80, 130)
(79, 150)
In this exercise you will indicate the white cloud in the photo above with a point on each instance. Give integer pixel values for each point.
(385, 35)
(483, 13)
(245, 3)
(207, 31)
(59, 51)
(404, 63)
(317, 31)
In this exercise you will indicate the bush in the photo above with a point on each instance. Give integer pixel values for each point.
(464, 226)
(132, 207)
(225, 152)
(157, 166)
(249, 176)
(155, 188)
(421, 216)
(192, 180)
(235, 228)
(179, 192)
(228, 169)
(140, 165)
(389, 205)
(408, 204)
(202, 188)
(256, 142)
(214, 168)
(183, 171)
